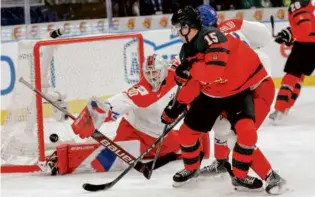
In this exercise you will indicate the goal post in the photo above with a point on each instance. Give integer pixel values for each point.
(76, 68)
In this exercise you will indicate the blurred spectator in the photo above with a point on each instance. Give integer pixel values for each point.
(286, 3)
(223, 4)
(12, 11)
(150, 7)
(276, 3)
(248, 4)
(123, 8)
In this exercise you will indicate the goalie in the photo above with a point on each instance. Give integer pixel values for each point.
(140, 108)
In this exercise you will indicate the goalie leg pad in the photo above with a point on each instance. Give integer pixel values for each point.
(126, 132)
(91, 157)
(71, 157)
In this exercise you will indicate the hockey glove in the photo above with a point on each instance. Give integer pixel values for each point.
(59, 99)
(170, 114)
(182, 73)
(285, 36)
(91, 118)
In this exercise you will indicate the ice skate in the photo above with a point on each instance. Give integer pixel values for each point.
(217, 167)
(276, 115)
(275, 183)
(184, 176)
(247, 184)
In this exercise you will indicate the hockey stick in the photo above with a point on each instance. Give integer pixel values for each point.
(272, 21)
(97, 187)
(157, 152)
(103, 140)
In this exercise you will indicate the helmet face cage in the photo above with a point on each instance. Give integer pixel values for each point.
(155, 71)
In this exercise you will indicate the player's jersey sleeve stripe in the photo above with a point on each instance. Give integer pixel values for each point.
(299, 13)
(217, 63)
(302, 21)
(216, 50)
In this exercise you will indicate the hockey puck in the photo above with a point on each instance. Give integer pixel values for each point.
(54, 137)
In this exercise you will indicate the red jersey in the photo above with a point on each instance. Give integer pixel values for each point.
(225, 66)
(302, 20)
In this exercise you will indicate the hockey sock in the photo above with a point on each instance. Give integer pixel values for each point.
(296, 91)
(205, 141)
(190, 147)
(244, 147)
(221, 149)
(285, 93)
(260, 164)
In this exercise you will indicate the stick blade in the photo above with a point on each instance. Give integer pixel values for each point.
(94, 188)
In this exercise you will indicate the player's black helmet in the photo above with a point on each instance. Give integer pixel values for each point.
(187, 16)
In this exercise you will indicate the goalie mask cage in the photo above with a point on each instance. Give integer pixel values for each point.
(69, 69)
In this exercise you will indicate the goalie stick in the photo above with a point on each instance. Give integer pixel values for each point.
(106, 142)
(97, 187)
(157, 152)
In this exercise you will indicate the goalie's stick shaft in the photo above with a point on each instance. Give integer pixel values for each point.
(98, 136)
(164, 131)
(97, 187)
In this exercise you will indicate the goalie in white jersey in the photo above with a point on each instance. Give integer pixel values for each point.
(140, 107)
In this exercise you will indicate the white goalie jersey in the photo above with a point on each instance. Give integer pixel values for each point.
(142, 107)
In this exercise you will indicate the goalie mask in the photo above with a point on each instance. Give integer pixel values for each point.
(155, 71)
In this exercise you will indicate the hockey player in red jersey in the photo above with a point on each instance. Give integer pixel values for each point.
(263, 95)
(300, 34)
(140, 108)
(226, 69)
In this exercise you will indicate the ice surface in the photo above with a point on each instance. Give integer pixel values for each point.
(290, 148)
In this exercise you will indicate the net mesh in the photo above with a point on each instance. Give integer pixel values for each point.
(73, 71)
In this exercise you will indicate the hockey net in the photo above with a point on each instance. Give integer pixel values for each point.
(73, 70)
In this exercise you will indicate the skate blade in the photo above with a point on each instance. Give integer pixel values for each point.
(180, 184)
(278, 190)
(212, 174)
(244, 189)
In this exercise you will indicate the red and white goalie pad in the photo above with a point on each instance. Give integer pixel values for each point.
(75, 158)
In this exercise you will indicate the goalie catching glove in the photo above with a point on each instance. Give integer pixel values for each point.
(91, 118)
(59, 99)
(170, 114)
